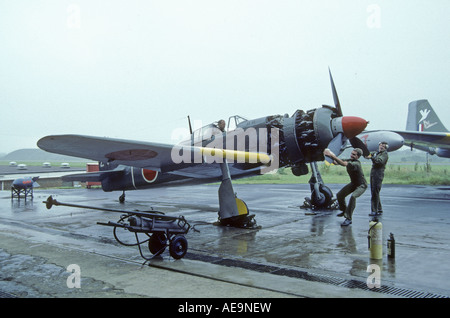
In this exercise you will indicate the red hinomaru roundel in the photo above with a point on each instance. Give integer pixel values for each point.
(149, 175)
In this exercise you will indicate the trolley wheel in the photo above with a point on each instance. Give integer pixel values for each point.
(157, 243)
(178, 246)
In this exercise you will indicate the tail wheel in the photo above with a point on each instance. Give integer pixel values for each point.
(178, 246)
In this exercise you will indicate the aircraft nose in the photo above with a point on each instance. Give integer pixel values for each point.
(395, 142)
(353, 126)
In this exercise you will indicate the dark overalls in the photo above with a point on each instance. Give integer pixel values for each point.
(356, 188)
(379, 160)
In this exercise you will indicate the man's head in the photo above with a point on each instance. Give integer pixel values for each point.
(383, 146)
(221, 124)
(356, 153)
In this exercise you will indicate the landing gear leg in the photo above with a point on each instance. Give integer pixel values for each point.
(122, 197)
(321, 195)
(232, 211)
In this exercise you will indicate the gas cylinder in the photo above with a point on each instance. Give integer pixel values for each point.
(391, 246)
(375, 239)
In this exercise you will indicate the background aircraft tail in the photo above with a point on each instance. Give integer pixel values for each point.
(421, 117)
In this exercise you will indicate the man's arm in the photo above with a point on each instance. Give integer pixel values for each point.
(327, 152)
(381, 159)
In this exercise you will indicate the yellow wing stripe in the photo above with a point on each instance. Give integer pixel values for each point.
(236, 155)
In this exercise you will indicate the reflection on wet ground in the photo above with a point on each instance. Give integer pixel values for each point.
(290, 241)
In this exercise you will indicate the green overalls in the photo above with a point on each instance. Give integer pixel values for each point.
(356, 188)
(379, 160)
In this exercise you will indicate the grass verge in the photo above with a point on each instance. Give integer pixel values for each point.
(394, 174)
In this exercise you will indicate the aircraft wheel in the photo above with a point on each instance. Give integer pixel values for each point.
(178, 246)
(325, 197)
(157, 243)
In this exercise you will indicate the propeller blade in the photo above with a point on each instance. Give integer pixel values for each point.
(358, 143)
(335, 146)
(335, 96)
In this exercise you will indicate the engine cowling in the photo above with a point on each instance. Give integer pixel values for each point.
(305, 135)
(301, 139)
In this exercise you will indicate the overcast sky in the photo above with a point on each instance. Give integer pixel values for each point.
(137, 69)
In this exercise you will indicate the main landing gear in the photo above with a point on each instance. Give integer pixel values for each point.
(232, 210)
(321, 195)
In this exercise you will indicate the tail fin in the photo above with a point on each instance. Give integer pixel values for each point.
(421, 117)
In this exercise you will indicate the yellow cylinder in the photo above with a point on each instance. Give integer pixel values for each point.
(376, 240)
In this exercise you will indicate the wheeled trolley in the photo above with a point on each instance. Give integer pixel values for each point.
(163, 231)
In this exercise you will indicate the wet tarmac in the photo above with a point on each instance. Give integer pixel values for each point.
(293, 253)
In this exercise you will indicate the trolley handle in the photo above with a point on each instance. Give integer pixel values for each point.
(182, 223)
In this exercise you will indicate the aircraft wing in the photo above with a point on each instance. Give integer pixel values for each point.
(148, 155)
(429, 139)
(132, 153)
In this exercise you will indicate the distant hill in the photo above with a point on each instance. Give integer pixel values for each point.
(39, 155)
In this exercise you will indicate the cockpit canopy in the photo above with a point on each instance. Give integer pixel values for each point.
(207, 133)
(235, 121)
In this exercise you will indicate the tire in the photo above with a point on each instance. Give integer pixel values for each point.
(157, 243)
(326, 197)
(178, 247)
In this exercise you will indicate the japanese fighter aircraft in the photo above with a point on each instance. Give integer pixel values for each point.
(213, 154)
